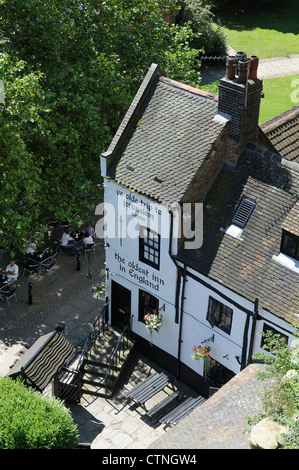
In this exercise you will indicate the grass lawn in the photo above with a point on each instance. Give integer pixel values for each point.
(262, 30)
(278, 95)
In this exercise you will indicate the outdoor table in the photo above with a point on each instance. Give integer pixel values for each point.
(3, 281)
(148, 388)
(39, 259)
(78, 236)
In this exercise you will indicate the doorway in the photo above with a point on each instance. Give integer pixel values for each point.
(120, 305)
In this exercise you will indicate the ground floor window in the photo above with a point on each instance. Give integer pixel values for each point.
(267, 328)
(217, 374)
(147, 303)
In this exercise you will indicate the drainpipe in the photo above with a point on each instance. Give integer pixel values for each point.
(181, 323)
(245, 342)
(254, 320)
(180, 274)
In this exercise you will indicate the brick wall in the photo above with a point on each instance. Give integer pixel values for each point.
(242, 102)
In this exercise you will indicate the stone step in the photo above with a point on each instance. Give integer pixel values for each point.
(97, 363)
(96, 390)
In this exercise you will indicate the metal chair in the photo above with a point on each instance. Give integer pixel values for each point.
(48, 265)
(29, 266)
(8, 291)
(62, 248)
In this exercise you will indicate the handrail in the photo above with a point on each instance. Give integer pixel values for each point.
(71, 375)
(113, 355)
(91, 338)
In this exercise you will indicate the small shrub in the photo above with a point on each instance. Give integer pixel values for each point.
(280, 399)
(29, 420)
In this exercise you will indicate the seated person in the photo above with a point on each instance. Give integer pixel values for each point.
(30, 246)
(88, 241)
(69, 241)
(12, 271)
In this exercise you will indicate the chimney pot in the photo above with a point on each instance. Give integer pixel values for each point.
(253, 66)
(231, 64)
(241, 56)
(242, 71)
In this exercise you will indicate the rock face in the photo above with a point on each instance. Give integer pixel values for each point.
(266, 435)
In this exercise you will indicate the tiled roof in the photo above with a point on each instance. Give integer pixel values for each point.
(246, 265)
(219, 423)
(170, 137)
(283, 133)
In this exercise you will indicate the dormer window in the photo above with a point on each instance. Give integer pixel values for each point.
(290, 245)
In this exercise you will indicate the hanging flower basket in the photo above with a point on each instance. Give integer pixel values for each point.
(98, 290)
(200, 352)
(153, 321)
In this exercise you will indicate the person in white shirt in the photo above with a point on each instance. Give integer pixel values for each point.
(12, 271)
(68, 240)
(30, 247)
(88, 240)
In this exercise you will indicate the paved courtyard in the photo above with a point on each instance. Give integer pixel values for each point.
(67, 297)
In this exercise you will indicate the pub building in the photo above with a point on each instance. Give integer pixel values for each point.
(201, 225)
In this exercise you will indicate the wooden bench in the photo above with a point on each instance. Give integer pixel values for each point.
(162, 404)
(148, 388)
(182, 410)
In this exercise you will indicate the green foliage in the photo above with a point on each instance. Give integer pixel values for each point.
(30, 421)
(212, 87)
(281, 396)
(70, 71)
(208, 35)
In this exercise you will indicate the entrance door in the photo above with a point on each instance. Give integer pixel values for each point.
(120, 305)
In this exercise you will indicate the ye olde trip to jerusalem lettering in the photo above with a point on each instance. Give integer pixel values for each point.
(135, 271)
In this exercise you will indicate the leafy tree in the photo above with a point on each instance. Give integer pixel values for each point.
(30, 421)
(75, 69)
(209, 37)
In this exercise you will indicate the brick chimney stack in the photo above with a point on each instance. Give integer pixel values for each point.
(239, 97)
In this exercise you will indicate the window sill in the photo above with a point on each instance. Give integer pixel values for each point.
(287, 261)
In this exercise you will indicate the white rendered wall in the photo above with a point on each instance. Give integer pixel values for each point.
(122, 259)
(124, 267)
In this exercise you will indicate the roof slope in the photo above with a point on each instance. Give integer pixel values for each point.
(246, 265)
(283, 133)
(171, 136)
(219, 423)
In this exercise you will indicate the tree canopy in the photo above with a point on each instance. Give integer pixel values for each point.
(70, 70)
